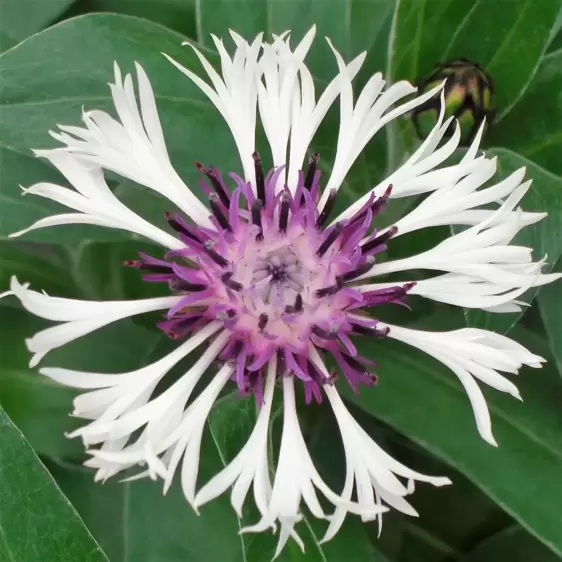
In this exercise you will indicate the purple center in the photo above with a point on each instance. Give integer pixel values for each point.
(277, 277)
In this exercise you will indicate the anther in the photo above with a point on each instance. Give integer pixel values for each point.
(357, 272)
(226, 278)
(257, 207)
(262, 321)
(379, 240)
(311, 172)
(178, 284)
(381, 201)
(178, 227)
(216, 183)
(225, 315)
(297, 307)
(215, 256)
(218, 212)
(327, 208)
(325, 334)
(366, 331)
(153, 268)
(330, 239)
(353, 363)
(260, 181)
(327, 291)
(237, 348)
(284, 212)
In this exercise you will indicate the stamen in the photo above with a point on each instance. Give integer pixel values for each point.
(218, 213)
(330, 290)
(330, 239)
(281, 363)
(372, 332)
(178, 227)
(354, 364)
(297, 307)
(262, 321)
(257, 207)
(225, 314)
(358, 271)
(321, 333)
(379, 240)
(226, 278)
(178, 284)
(153, 268)
(216, 257)
(260, 181)
(284, 212)
(311, 172)
(182, 326)
(237, 348)
(217, 185)
(327, 209)
(381, 201)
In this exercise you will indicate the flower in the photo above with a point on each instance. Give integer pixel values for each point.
(271, 287)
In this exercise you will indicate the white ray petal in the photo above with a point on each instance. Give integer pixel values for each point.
(234, 93)
(132, 147)
(93, 199)
(79, 317)
(473, 353)
(251, 461)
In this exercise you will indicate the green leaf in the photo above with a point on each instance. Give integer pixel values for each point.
(21, 18)
(134, 522)
(508, 43)
(100, 273)
(37, 523)
(533, 129)
(543, 237)
(513, 544)
(522, 475)
(178, 15)
(42, 265)
(47, 80)
(550, 306)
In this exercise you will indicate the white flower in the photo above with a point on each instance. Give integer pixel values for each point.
(262, 282)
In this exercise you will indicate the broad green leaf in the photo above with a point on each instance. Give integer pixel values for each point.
(508, 43)
(550, 306)
(37, 523)
(42, 265)
(178, 15)
(522, 475)
(513, 544)
(543, 237)
(21, 18)
(134, 522)
(100, 273)
(556, 36)
(352, 25)
(47, 80)
(533, 129)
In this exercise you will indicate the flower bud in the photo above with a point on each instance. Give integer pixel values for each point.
(469, 97)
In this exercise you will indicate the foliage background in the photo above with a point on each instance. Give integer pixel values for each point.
(505, 503)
